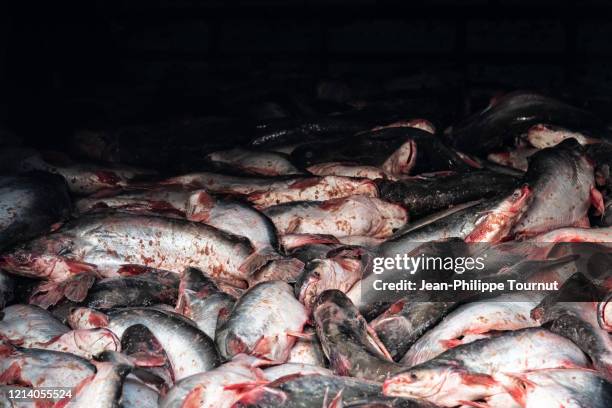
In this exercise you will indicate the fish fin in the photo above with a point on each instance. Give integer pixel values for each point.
(336, 402)
(133, 270)
(199, 205)
(74, 288)
(262, 347)
(253, 396)
(376, 342)
(300, 335)
(258, 259)
(12, 375)
(333, 204)
(477, 379)
(348, 264)
(597, 201)
(451, 343)
(192, 400)
(245, 386)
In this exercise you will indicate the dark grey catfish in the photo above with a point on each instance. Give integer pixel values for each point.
(351, 347)
(510, 116)
(31, 205)
(423, 196)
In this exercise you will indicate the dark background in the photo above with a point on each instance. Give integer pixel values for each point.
(72, 64)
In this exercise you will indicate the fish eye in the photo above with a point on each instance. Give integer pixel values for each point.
(414, 377)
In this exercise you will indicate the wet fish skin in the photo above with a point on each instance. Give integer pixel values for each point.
(102, 390)
(355, 215)
(42, 367)
(207, 312)
(561, 387)
(189, 350)
(262, 323)
(313, 189)
(349, 345)
(308, 350)
(472, 321)
(517, 158)
(429, 195)
(30, 205)
(135, 394)
(107, 242)
(27, 325)
(349, 170)
(308, 391)
(471, 371)
(405, 322)
(213, 388)
(561, 178)
(542, 136)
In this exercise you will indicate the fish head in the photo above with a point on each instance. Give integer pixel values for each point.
(40, 265)
(441, 383)
(307, 286)
(96, 341)
(520, 199)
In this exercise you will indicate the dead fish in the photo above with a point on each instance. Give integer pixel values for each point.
(361, 241)
(338, 272)
(314, 189)
(312, 391)
(601, 154)
(264, 323)
(220, 387)
(42, 368)
(254, 161)
(349, 170)
(26, 325)
(472, 371)
(287, 269)
(170, 201)
(110, 243)
(568, 314)
(396, 150)
(424, 196)
(82, 178)
(351, 347)
(513, 114)
(561, 178)
(355, 215)
(561, 388)
(472, 321)
(31, 205)
(402, 324)
(570, 234)
(102, 390)
(517, 158)
(189, 350)
(542, 136)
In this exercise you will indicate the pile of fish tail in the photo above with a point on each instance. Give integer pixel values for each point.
(247, 275)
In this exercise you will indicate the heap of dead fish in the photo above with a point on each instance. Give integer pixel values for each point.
(248, 280)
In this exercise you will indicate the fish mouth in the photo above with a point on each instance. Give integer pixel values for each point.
(523, 197)
(408, 384)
